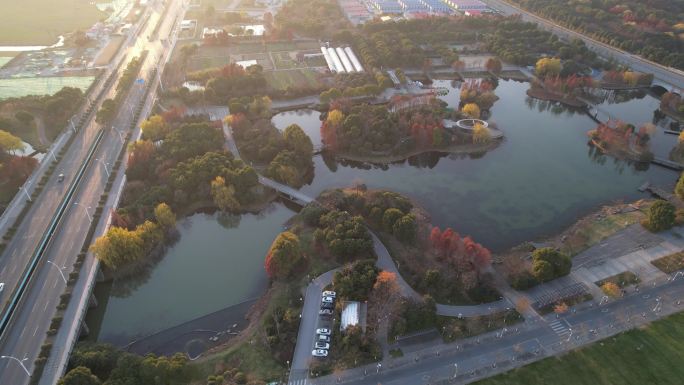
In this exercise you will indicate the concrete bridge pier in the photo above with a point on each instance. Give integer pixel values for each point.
(92, 301)
(84, 330)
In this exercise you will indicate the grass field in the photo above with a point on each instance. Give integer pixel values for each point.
(40, 22)
(281, 80)
(670, 263)
(651, 356)
(17, 87)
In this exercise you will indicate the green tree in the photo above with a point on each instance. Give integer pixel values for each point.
(296, 140)
(661, 216)
(355, 281)
(405, 229)
(107, 112)
(191, 140)
(80, 376)
(542, 270)
(224, 195)
(284, 255)
(390, 217)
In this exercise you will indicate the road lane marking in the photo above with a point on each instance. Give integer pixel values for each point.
(35, 331)
(45, 307)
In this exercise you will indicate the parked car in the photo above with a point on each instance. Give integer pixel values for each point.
(325, 312)
(322, 338)
(2, 286)
(329, 293)
(327, 305)
(319, 353)
(322, 345)
(323, 331)
(328, 300)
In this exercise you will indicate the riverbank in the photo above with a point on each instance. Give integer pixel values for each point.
(539, 93)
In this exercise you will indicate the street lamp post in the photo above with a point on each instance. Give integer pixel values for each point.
(120, 134)
(103, 165)
(23, 188)
(61, 273)
(90, 218)
(21, 362)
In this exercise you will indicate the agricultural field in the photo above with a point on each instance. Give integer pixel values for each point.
(17, 87)
(40, 22)
(282, 80)
(652, 355)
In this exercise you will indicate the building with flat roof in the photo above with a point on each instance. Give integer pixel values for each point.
(466, 5)
(387, 6)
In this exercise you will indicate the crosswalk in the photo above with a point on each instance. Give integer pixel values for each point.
(560, 328)
(298, 377)
(302, 381)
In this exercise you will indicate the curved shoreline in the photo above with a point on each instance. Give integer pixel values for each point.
(464, 149)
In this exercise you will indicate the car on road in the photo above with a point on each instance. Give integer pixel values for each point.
(322, 345)
(319, 353)
(323, 331)
(322, 338)
(329, 293)
(60, 178)
(328, 300)
(2, 286)
(325, 312)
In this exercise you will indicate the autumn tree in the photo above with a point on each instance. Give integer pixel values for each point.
(679, 188)
(560, 308)
(118, 247)
(224, 195)
(284, 256)
(522, 305)
(386, 294)
(165, 216)
(548, 67)
(481, 133)
(472, 110)
(154, 128)
(611, 289)
(10, 143)
(493, 65)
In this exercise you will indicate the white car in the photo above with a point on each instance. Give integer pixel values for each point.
(328, 293)
(323, 331)
(319, 353)
(328, 300)
(2, 286)
(322, 345)
(322, 338)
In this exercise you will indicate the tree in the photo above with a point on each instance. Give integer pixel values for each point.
(481, 133)
(556, 264)
(154, 128)
(661, 216)
(390, 217)
(493, 65)
(284, 256)
(522, 305)
(192, 140)
(405, 229)
(105, 115)
(385, 295)
(224, 195)
(472, 110)
(548, 67)
(679, 188)
(355, 281)
(298, 141)
(118, 247)
(165, 216)
(560, 308)
(24, 117)
(10, 143)
(611, 289)
(79, 375)
(542, 270)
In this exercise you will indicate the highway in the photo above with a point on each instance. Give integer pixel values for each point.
(671, 76)
(31, 321)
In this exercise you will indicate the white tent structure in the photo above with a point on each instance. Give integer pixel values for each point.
(345, 61)
(328, 60)
(354, 60)
(336, 60)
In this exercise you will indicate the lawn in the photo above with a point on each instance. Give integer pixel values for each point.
(40, 22)
(622, 280)
(670, 263)
(649, 356)
(18, 87)
(281, 80)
